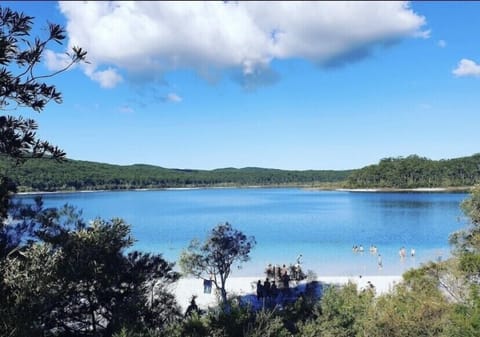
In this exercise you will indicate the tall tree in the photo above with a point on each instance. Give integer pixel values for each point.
(22, 87)
(213, 259)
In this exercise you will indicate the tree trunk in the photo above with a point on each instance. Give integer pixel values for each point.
(224, 294)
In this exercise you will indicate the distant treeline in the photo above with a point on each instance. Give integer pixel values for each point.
(414, 172)
(72, 175)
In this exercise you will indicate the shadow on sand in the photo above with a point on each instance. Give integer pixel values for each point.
(284, 297)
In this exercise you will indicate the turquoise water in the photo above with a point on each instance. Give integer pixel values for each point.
(321, 225)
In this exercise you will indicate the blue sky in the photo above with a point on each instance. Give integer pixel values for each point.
(279, 85)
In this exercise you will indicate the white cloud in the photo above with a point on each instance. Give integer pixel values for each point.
(442, 43)
(56, 61)
(172, 97)
(106, 78)
(467, 67)
(149, 38)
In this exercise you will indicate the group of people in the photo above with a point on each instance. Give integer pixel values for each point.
(403, 253)
(279, 277)
(359, 249)
(267, 289)
(293, 272)
(374, 251)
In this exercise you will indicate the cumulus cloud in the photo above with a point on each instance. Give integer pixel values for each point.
(467, 67)
(108, 78)
(147, 39)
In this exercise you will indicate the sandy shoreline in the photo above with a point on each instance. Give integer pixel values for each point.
(419, 189)
(380, 189)
(185, 288)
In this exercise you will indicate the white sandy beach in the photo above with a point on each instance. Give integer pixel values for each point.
(185, 288)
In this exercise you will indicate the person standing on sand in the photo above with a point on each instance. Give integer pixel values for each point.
(299, 259)
(192, 307)
(259, 290)
(266, 288)
(286, 280)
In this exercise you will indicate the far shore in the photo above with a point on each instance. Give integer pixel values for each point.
(419, 189)
(458, 189)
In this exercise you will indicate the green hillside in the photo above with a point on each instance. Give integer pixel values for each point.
(409, 172)
(48, 175)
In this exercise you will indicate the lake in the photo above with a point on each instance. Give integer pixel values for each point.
(321, 225)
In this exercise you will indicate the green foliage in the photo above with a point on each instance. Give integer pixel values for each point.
(409, 311)
(233, 322)
(471, 206)
(303, 309)
(467, 241)
(267, 324)
(343, 311)
(80, 281)
(414, 172)
(465, 318)
(191, 326)
(32, 290)
(224, 247)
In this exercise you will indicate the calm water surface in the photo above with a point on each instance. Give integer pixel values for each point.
(321, 225)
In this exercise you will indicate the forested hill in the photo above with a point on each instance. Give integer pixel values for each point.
(73, 175)
(48, 175)
(414, 172)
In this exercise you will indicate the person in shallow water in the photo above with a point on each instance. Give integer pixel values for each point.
(380, 262)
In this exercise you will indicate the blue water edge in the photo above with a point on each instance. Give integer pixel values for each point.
(323, 226)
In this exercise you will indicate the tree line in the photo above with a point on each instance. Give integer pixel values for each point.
(415, 171)
(43, 174)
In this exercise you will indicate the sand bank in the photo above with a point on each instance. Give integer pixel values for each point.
(185, 288)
